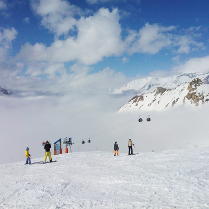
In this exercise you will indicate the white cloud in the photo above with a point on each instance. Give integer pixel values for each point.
(29, 121)
(55, 78)
(57, 15)
(7, 35)
(26, 20)
(88, 100)
(88, 109)
(80, 105)
(186, 44)
(97, 1)
(152, 38)
(124, 59)
(194, 65)
(3, 5)
(102, 82)
(51, 70)
(104, 1)
(98, 37)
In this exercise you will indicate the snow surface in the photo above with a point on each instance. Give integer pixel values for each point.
(98, 180)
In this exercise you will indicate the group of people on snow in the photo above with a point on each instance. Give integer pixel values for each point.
(47, 148)
(130, 148)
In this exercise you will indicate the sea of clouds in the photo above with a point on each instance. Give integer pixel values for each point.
(31, 120)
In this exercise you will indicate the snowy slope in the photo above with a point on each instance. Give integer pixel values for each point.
(97, 180)
(189, 89)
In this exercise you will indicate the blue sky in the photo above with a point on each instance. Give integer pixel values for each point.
(145, 35)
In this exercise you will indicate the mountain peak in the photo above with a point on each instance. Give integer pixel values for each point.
(186, 89)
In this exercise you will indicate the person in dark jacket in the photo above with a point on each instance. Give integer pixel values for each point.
(47, 148)
(116, 149)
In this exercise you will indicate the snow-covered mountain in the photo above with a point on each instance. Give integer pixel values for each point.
(155, 93)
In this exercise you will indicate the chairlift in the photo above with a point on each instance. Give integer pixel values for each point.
(65, 140)
(148, 119)
(68, 141)
(140, 119)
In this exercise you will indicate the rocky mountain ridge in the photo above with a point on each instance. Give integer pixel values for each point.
(193, 90)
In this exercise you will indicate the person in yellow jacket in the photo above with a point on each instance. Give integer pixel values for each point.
(27, 155)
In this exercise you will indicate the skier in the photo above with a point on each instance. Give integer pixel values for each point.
(47, 148)
(116, 149)
(27, 155)
(130, 147)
